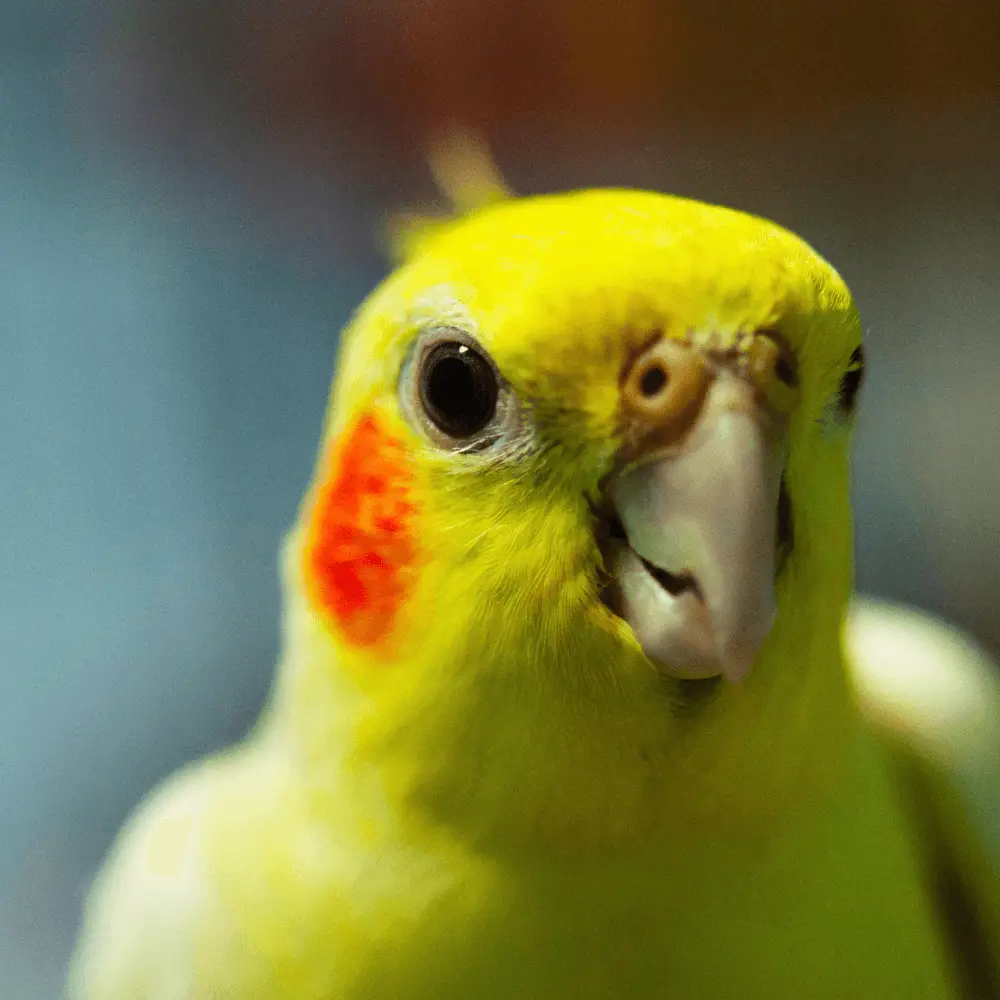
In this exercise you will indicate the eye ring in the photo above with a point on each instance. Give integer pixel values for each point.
(453, 391)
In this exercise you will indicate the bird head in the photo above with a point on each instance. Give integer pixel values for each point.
(574, 562)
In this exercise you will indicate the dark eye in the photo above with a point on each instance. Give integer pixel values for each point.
(451, 390)
(850, 384)
(458, 389)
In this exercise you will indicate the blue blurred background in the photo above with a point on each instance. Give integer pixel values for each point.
(190, 197)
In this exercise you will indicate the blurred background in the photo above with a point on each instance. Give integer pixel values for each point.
(190, 202)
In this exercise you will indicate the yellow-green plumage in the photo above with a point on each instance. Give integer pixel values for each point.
(513, 803)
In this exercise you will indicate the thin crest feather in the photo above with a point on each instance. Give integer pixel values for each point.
(468, 180)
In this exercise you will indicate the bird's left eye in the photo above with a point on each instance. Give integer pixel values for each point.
(850, 384)
(452, 389)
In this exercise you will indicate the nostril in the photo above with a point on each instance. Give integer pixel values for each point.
(662, 389)
(785, 371)
(653, 380)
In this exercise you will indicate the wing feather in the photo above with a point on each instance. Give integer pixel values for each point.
(935, 696)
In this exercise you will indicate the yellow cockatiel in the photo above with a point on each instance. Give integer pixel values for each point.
(565, 707)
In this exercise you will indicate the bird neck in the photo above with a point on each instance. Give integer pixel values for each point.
(520, 756)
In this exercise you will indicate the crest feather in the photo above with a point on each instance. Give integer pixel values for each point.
(467, 179)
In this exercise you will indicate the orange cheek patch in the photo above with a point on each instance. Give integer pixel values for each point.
(361, 553)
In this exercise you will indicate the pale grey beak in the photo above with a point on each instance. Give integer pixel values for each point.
(696, 577)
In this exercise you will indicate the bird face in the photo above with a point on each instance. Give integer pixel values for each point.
(686, 513)
(585, 465)
(591, 404)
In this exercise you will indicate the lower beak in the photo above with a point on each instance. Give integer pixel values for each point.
(695, 572)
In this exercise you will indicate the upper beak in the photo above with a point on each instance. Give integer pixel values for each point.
(696, 577)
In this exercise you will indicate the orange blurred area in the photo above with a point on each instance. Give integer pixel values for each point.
(395, 72)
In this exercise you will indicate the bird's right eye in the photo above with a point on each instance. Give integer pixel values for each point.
(454, 392)
(458, 389)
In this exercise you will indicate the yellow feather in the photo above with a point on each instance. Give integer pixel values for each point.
(514, 803)
(467, 179)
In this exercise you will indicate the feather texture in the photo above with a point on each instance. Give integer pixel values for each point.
(509, 800)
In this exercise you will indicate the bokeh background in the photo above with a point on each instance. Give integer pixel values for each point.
(190, 201)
